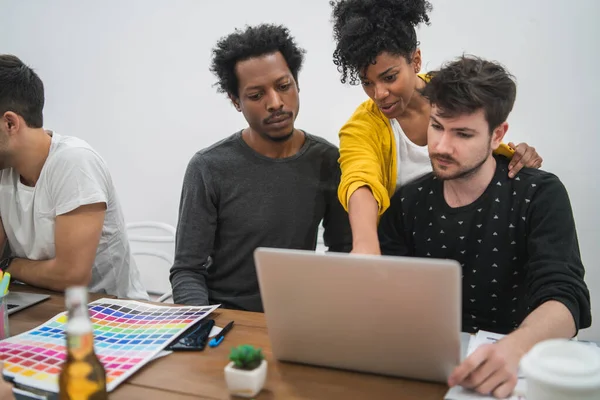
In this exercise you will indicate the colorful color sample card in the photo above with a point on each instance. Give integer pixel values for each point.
(127, 335)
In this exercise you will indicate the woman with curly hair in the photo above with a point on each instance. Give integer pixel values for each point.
(384, 143)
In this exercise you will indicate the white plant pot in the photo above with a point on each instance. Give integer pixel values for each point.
(245, 383)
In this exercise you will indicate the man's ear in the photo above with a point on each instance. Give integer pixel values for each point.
(498, 135)
(236, 102)
(11, 122)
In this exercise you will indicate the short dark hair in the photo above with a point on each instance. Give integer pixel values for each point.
(254, 41)
(21, 91)
(363, 29)
(470, 83)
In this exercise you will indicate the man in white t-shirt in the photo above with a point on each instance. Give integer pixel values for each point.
(58, 206)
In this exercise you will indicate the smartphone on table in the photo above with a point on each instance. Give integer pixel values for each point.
(194, 338)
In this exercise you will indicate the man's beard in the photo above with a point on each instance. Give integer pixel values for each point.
(461, 173)
(5, 160)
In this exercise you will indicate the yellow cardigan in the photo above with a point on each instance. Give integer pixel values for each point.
(368, 155)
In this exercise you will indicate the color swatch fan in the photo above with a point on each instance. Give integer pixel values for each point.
(128, 334)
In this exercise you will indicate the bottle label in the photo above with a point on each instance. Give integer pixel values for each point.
(85, 378)
(79, 386)
(80, 345)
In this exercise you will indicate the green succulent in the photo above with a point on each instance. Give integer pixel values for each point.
(246, 357)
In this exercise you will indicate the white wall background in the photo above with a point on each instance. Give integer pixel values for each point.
(131, 77)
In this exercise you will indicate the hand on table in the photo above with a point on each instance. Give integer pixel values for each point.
(490, 370)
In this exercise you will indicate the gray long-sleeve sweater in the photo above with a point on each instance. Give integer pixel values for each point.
(235, 200)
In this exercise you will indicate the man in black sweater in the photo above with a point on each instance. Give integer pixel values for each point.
(515, 238)
(267, 185)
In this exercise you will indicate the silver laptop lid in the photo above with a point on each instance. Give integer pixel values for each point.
(387, 315)
(16, 301)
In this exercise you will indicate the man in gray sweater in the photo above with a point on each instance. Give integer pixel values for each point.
(268, 185)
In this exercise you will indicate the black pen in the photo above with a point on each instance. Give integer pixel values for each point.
(214, 342)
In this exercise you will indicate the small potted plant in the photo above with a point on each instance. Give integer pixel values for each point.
(246, 373)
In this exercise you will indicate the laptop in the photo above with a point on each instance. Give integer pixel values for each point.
(395, 316)
(17, 301)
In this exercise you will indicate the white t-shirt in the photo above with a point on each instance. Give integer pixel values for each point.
(412, 160)
(73, 175)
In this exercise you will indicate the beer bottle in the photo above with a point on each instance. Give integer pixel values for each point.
(83, 376)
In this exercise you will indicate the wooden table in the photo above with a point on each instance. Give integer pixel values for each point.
(199, 375)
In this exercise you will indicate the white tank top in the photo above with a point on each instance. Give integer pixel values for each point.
(412, 160)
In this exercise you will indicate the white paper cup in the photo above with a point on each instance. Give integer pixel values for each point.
(562, 369)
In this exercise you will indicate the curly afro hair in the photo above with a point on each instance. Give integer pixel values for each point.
(254, 41)
(363, 29)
